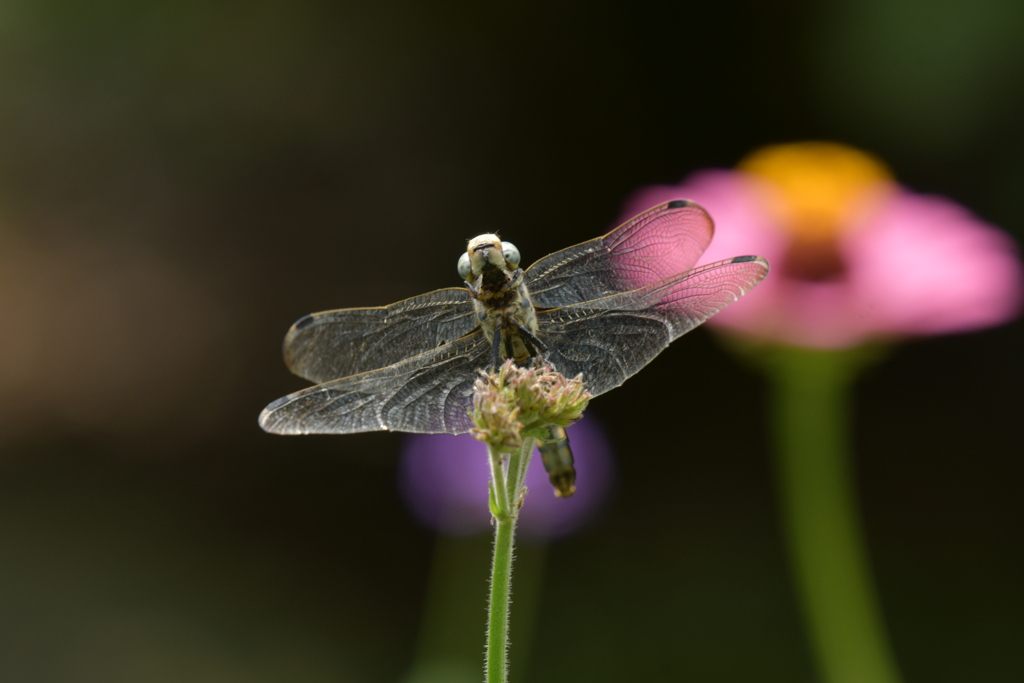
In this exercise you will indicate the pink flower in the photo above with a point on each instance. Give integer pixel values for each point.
(443, 480)
(855, 257)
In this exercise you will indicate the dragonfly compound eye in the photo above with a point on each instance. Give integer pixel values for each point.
(465, 268)
(511, 254)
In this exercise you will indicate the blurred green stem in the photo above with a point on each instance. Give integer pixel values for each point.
(448, 645)
(811, 411)
(505, 491)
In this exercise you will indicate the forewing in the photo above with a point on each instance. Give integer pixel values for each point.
(333, 344)
(430, 393)
(609, 340)
(659, 243)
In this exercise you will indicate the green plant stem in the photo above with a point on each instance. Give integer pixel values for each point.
(499, 488)
(531, 559)
(826, 543)
(501, 585)
(448, 644)
(518, 463)
(506, 487)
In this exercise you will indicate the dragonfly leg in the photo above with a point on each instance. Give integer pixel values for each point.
(496, 347)
(517, 278)
(530, 349)
(534, 345)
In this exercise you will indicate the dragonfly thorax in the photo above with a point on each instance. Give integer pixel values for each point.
(500, 297)
(507, 312)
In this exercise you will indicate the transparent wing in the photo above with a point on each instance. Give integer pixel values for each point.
(609, 340)
(430, 393)
(659, 243)
(325, 346)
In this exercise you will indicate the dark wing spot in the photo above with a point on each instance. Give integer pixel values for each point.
(678, 203)
(744, 259)
(304, 321)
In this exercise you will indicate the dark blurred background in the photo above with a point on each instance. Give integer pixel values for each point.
(180, 181)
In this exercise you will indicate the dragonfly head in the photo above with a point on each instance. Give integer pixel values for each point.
(485, 253)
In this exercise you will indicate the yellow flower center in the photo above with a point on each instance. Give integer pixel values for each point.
(821, 185)
(823, 190)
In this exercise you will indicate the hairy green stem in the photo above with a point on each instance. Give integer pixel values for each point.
(499, 490)
(505, 487)
(826, 543)
(501, 584)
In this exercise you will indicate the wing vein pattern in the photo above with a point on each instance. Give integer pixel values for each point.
(606, 308)
(609, 340)
(430, 393)
(333, 344)
(661, 242)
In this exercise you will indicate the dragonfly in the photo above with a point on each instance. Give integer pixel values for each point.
(602, 309)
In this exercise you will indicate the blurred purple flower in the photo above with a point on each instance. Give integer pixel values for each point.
(855, 256)
(443, 479)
